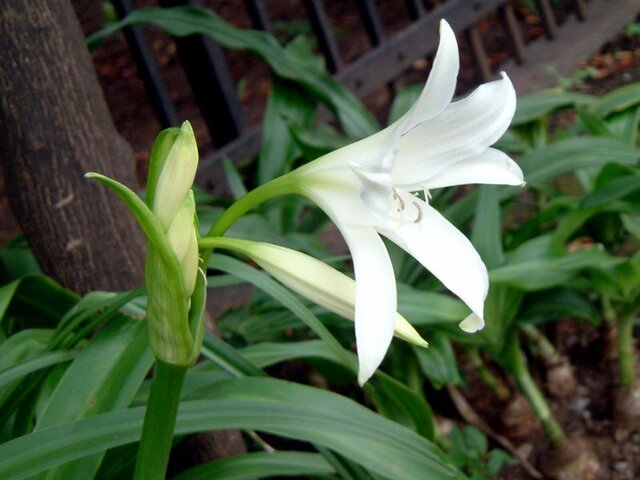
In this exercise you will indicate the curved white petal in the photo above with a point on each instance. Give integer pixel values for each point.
(446, 253)
(441, 84)
(464, 129)
(491, 167)
(375, 297)
(472, 323)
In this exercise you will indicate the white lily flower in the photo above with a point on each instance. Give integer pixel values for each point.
(366, 189)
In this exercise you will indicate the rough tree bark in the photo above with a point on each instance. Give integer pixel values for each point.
(55, 127)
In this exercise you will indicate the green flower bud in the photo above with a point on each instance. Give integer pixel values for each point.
(173, 169)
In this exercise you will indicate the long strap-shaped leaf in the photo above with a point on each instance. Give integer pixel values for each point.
(184, 21)
(270, 405)
(260, 465)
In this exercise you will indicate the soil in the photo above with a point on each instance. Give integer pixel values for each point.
(587, 413)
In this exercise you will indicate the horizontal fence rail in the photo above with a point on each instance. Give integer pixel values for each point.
(215, 90)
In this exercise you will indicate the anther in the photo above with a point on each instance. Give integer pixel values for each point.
(419, 209)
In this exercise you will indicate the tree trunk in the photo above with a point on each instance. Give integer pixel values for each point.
(56, 127)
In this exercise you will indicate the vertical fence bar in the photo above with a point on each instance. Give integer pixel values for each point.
(211, 82)
(547, 17)
(322, 28)
(416, 8)
(258, 14)
(580, 8)
(479, 54)
(148, 70)
(508, 18)
(371, 21)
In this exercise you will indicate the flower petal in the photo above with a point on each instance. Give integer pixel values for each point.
(446, 253)
(490, 167)
(441, 84)
(463, 130)
(472, 323)
(377, 188)
(375, 297)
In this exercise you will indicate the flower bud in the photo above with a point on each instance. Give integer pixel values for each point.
(177, 172)
(184, 241)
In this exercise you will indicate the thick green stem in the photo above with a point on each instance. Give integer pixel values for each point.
(159, 421)
(527, 385)
(626, 353)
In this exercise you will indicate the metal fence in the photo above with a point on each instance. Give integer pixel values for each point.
(215, 91)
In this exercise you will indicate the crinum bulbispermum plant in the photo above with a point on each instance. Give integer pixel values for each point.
(176, 287)
(367, 189)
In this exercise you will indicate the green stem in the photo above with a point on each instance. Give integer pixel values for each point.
(278, 186)
(516, 362)
(159, 421)
(541, 346)
(626, 353)
(486, 375)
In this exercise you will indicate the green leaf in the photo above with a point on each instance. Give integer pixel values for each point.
(104, 377)
(269, 353)
(438, 362)
(234, 180)
(228, 358)
(571, 154)
(632, 225)
(487, 226)
(625, 124)
(269, 405)
(184, 21)
(33, 364)
(550, 305)
(532, 107)
(594, 124)
(423, 308)
(37, 298)
(551, 272)
(399, 403)
(287, 105)
(260, 465)
(617, 100)
(20, 348)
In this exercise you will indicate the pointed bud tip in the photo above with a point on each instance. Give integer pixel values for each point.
(186, 128)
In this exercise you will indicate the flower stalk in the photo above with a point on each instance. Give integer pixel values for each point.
(515, 362)
(176, 288)
(626, 351)
(159, 421)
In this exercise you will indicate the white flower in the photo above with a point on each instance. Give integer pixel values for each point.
(366, 190)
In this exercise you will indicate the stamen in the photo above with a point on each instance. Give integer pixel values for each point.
(397, 197)
(419, 209)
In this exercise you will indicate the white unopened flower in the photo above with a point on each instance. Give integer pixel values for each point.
(311, 278)
(366, 188)
(177, 172)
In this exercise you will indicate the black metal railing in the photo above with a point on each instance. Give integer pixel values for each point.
(215, 90)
